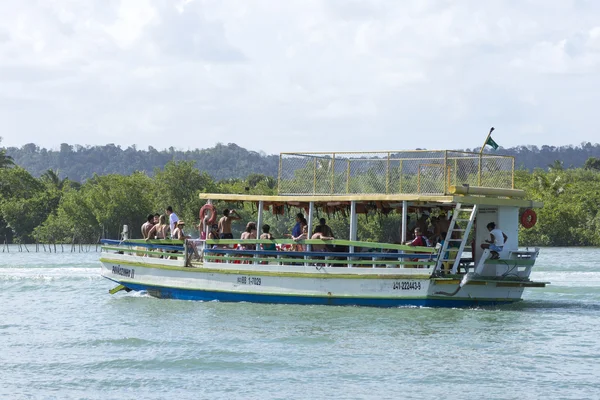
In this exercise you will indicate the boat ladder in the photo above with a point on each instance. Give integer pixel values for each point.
(458, 233)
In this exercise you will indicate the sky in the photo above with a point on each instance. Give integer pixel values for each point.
(299, 75)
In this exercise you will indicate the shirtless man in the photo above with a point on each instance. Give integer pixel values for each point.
(147, 226)
(225, 223)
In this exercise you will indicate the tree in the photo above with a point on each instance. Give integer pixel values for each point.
(178, 185)
(557, 165)
(592, 163)
(6, 161)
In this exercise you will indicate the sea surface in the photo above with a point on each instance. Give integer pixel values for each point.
(62, 336)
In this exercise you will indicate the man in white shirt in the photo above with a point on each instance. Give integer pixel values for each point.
(172, 218)
(496, 245)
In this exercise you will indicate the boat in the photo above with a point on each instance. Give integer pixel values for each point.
(470, 189)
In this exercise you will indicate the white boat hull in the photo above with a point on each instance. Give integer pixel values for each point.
(385, 287)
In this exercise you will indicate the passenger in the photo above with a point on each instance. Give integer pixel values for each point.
(202, 227)
(178, 233)
(173, 218)
(297, 229)
(159, 230)
(423, 222)
(225, 223)
(443, 222)
(214, 232)
(147, 226)
(302, 236)
(320, 235)
(266, 235)
(419, 239)
(496, 245)
(325, 230)
(249, 233)
(214, 235)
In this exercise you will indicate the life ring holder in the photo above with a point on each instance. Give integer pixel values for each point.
(528, 218)
(213, 213)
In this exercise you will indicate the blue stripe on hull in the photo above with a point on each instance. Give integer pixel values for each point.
(207, 295)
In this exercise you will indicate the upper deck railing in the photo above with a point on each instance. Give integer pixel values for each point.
(393, 172)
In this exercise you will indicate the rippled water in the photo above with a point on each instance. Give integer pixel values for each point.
(63, 336)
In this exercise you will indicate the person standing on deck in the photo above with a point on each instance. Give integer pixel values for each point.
(297, 229)
(225, 223)
(173, 218)
(496, 245)
(178, 233)
(147, 226)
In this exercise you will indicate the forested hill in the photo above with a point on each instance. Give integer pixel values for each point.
(79, 163)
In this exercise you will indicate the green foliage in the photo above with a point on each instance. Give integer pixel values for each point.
(571, 212)
(592, 163)
(178, 185)
(117, 200)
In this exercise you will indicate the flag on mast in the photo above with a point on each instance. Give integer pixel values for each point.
(490, 142)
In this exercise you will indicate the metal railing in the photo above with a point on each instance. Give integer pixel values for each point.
(392, 172)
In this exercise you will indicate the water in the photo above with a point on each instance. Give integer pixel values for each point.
(63, 336)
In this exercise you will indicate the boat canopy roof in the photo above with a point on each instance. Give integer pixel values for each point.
(380, 201)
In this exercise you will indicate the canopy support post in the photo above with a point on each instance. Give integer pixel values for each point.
(404, 221)
(353, 227)
(259, 223)
(311, 216)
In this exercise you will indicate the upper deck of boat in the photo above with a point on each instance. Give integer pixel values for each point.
(392, 177)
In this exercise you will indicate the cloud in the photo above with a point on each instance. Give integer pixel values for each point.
(311, 74)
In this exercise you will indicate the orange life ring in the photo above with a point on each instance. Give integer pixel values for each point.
(528, 218)
(213, 213)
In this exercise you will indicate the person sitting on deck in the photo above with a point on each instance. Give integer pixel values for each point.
(496, 245)
(320, 235)
(159, 230)
(225, 223)
(147, 226)
(213, 234)
(423, 222)
(178, 233)
(323, 228)
(419, 239)
(249, 233)
(266, 235)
